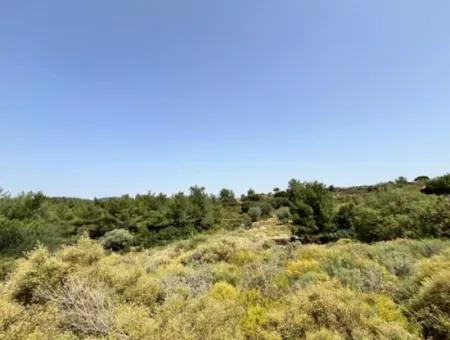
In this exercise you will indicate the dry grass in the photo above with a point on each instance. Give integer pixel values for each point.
(85, 306)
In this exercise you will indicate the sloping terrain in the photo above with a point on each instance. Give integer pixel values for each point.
(238, 284)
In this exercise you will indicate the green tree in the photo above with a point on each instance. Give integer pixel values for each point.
(402, 180)
(227, 198)
(312, 207)
(201, 212)
(178, 210)
(439, 185)
(422, 179)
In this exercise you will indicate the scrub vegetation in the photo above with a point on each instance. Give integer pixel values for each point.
(308, 262)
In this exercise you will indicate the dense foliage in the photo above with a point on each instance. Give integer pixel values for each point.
(151, 219)
(439, 185)
(200, 266)
(231, 285)
(317, 213)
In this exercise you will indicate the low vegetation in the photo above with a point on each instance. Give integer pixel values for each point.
(231, 285)
(308, 262)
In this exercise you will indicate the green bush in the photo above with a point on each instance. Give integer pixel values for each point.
(393, 212)
(358, 273)
(283, 214)
(439, 185)
(18, 236)
(431, 306)
(254, 213)
(266, 208)
(117, 239)
(434, 219)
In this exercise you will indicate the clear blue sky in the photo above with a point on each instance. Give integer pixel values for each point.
(106, 97)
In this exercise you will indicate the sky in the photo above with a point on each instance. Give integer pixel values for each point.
(102, 98)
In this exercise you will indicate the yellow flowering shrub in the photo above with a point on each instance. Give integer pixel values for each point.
(300, 267)
(134, 322)
(39, 270)
(84, 253)
(230, 285)
(223, 291)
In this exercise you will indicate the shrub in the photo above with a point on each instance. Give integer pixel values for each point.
(85, 252)
(331, 307)
(223, 291)
(254, 323)
(431, 306)
(434, 219)
(366, 222)
(6, 265)
(358, 273)
(118, 273)
(254, 213)
(228, 286)
(226, 272)
(38, 271)
(85, 307)
(268, 278)
(439, 185)
(38, 322)
(283, 214)
(191, 242)
(300, 267)
(145, 291)
(214, 251)
(246, 221)
(324, 334)
(186, 283)
(266, 208)
(206, 318)
(10, 312)
(117, 239)
(134, 322)
(371, 225)
(399, 263)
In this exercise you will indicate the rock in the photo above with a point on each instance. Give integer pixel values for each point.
(295, 238)
(285, 240)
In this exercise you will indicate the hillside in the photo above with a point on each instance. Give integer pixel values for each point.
(237, 284)
(310, 261)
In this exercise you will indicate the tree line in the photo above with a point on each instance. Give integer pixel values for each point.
(316, 212)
